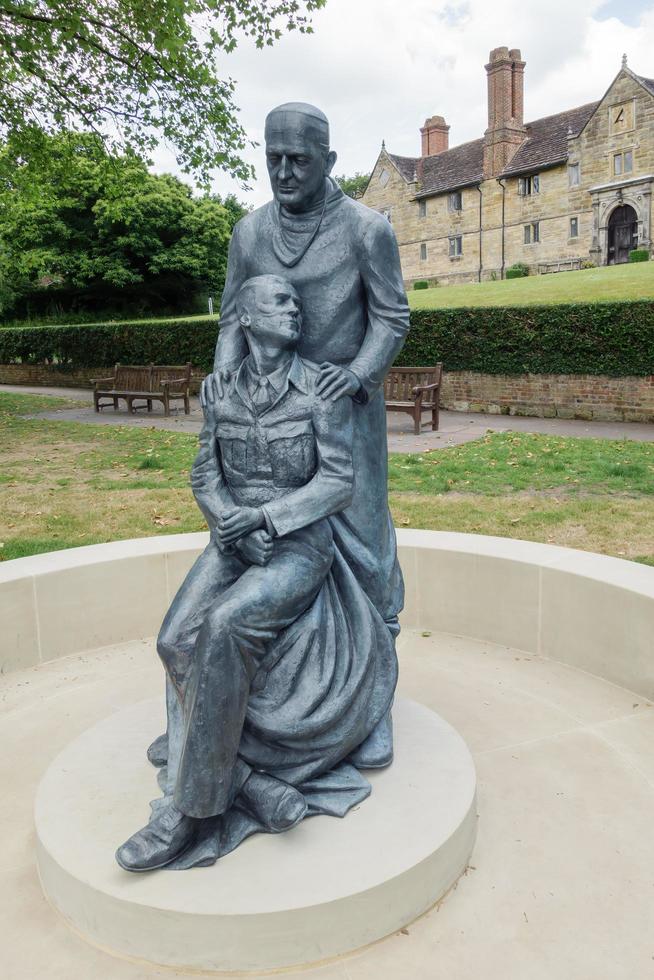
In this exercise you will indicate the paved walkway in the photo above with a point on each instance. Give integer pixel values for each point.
(455, 427)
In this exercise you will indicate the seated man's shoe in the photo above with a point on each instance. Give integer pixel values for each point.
(277, 805)
(376, 752)
(158, 751)
(167, 836)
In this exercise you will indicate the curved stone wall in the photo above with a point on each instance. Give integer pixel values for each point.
(590, 611)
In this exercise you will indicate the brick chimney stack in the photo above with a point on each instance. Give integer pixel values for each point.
(435, 136)
(518, 87)
(506, 129)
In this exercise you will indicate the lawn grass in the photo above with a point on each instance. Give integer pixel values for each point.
(630, 281)
(14, 403)
(510, 462)
(64, 484)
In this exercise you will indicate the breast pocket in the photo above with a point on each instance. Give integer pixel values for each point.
(292, 448)
(233, 443)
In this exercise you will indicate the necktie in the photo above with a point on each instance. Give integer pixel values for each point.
(262, 397)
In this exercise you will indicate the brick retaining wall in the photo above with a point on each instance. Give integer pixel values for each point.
(566, 396)
(580, 396)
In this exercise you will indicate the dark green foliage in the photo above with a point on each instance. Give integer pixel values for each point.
(83, 232)
(421, 284)
(581, 338)
(517, 271)
(639, 255)
(102, 345)
(584, 338)
(354, 186)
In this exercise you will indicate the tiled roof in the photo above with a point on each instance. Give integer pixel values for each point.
(647, 82)
(406, 165)
(546, 144)
(547, 140)
(446, 171)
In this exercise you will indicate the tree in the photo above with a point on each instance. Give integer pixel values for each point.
(85, 231)
(135, 72)
(354, 186)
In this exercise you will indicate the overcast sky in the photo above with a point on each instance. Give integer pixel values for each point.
(378, 68)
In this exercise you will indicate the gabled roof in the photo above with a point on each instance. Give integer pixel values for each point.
(547, 140)
(406, 165)
(545, 145)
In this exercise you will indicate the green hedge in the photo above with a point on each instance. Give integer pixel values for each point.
(639, 255)
(517, 271)
(421, 284)
(584, 338)
(104, 344)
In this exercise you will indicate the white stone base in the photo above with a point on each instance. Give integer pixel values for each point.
(326, 887)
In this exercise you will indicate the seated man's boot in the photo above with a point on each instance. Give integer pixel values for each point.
(277, 805)
(158, 751)
(376, 751)
(165, 837)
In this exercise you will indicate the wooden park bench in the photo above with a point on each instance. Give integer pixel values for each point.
(146, 383)
(414, 390)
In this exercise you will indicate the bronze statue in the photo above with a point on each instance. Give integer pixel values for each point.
(280, 645)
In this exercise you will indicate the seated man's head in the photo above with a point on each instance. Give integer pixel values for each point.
(268, 310)
(298, 155)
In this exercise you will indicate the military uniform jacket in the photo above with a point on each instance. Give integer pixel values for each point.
(294, 459)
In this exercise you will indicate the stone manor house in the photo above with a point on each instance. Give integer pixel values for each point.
(557, 193)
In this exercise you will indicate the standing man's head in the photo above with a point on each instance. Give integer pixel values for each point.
(298, 154)
(269, 311)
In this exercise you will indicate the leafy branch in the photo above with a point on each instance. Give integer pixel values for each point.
(137, 73)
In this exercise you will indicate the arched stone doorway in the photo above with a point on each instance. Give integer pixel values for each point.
(623, 234)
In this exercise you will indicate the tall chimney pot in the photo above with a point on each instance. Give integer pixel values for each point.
(435, 136)
(506, 129)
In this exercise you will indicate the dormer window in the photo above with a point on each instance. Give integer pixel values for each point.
(529, 185)
(384, 178)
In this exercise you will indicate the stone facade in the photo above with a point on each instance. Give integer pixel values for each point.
(547, 194)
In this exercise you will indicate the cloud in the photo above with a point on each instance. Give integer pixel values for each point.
(378, 68)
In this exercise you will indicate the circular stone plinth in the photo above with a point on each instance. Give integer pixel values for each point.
(326, 887)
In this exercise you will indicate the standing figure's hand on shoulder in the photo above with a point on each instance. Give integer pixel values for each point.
(213, 388)
(336, 381)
